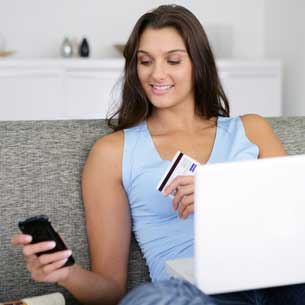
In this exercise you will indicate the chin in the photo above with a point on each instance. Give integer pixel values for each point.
(162, 106)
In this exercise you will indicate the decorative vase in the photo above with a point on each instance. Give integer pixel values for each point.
(66, 49)
(84, 50)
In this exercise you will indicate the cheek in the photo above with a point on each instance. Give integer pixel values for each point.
(142, 75)
(184, 78)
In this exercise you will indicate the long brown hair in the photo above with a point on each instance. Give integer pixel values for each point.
(210, 99)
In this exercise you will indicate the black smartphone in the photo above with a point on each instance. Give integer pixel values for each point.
(40, 228)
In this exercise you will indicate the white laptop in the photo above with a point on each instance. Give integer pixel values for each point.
(249, 226)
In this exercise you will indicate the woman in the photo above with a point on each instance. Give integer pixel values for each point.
(172, 100)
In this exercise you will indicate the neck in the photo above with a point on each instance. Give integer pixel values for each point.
(167, 121)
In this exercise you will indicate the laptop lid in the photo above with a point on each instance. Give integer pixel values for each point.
(250, 224)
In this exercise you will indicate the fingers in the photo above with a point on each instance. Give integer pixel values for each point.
(186, 206)
(50, 258)
(32, 249)
(21, 239)
(178, 181)
(184, 197)
(46, 267)
(182, 191)
(51, 272)
(53, 267)
(30, 254)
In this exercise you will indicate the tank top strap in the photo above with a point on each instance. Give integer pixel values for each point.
(232, 143)
(135, 139)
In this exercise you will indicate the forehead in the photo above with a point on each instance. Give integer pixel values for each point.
(161, 40)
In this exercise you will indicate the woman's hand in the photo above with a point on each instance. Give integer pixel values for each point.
(184, 197)
(46, 267)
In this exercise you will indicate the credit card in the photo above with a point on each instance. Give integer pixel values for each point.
(181, 165)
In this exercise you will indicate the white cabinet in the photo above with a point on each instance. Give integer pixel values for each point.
(31, 94)
(252, 87)
(58, 89)
(88, 89)
(90, 94)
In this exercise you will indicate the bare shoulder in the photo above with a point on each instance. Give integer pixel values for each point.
(255, 125)
(106, 155)
(108, 148)
(259, 132)
(112, 142)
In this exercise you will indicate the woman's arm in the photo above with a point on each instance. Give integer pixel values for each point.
(108, 226)
(107, 220)
(260, 133)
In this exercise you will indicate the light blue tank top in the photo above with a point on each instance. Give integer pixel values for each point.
(161, 234)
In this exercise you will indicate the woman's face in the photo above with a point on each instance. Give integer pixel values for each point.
(164, 68)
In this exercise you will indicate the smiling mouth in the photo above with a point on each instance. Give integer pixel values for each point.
(161, 87)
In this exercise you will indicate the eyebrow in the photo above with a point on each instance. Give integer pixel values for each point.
(168, 52)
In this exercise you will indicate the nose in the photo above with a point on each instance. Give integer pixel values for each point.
(158, 72)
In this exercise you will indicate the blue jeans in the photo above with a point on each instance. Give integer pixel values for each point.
(180, 292)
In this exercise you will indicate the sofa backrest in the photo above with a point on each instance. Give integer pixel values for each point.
(40, 173)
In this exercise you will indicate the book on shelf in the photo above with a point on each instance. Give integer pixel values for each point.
(47, 299)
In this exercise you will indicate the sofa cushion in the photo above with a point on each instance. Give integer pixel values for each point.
(291, 131)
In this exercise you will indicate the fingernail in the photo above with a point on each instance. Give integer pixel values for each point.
(68, 253)
(52, 244)
(28, 238)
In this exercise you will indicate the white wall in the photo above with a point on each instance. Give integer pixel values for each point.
(37, 28)
(285, 39)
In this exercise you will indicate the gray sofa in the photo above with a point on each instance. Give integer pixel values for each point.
(40, 173)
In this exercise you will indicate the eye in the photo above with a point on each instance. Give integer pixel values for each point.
(145, 62)
(174, 62)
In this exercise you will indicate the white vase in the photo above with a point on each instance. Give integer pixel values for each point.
(66, 49)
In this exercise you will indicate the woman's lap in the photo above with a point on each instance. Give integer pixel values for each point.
(165, 293)
(180, 292)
